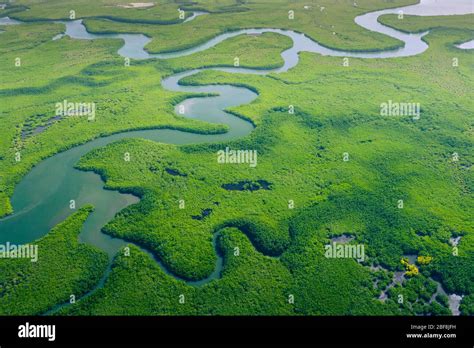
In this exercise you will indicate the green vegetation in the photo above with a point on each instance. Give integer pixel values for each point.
(456, 274)
(413, 24)
(64, 268)
(333, 26)
(83, 70)
(467, 305)
(271, 239)
(253, 52)
(344, 196)
(11, 9)
(251, 284)
(164, 12)
(416, 297)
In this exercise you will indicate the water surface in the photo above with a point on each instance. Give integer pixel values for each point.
(41, 199)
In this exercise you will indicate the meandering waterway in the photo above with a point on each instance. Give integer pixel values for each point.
(41, 199)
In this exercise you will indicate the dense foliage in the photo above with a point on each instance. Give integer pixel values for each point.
(272, 241)
(64, 268)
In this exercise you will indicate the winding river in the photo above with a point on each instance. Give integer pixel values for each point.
(41, 199)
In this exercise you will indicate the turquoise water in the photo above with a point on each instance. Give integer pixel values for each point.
(41, 199)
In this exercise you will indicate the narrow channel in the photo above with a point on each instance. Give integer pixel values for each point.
(41, 199)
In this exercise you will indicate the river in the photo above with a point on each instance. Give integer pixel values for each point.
(41, 199)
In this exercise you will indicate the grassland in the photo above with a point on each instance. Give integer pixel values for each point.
(281, 250)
